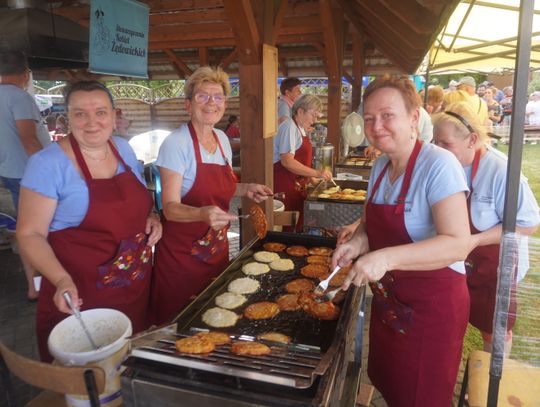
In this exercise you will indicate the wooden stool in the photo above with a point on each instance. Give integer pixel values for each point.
(519, 386)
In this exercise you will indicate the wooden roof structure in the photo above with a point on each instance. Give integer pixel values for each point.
(332, 38)
(388, 36)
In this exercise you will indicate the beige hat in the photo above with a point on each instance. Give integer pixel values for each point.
(468, 80)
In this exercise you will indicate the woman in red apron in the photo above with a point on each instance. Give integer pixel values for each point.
(458, 130)
(420, 304)
(293, 155)
(105, 261)
(194, 247)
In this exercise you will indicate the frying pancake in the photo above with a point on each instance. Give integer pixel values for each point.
(217, 338)
(297, 251)
(244, 285)
(194, 344)
(230, 300)
(266, 257)
(250, 348)
(315, 271)
(282, 265)
(321, 310)
(288, 302)
(300, 285)
(261, 310)
(219, 317)
(274, 337)
(255, 269)
(321, 251)
(258, 220)
(274, 247)
(318, 260)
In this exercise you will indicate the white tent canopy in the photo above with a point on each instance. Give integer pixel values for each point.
(481, 36)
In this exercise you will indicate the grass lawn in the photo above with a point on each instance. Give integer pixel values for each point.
(526, 342)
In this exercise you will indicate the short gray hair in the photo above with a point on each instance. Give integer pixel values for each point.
(306, 102)
(207, 74)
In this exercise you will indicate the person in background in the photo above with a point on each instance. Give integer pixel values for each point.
(21, 134)
(232, 130)
(468, 84)
(532, 110)
(452, 86)
(459, 131)
(62, 126)
(506, 105)
(494, 109)
(435, 99)
(86, 220)
(410, 245)
(293, 155)
(197, 183)
(290, 91)
(121, 124)
(455, 96)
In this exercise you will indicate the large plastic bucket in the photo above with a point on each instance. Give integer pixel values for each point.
(278, 207)
(69, 346)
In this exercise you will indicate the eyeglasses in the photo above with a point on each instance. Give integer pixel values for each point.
(314, 113)
(218, 98)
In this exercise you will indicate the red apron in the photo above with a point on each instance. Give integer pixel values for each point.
(418, 318)
(482, 264)
(182, 267)
(106, 255)
(294, 186)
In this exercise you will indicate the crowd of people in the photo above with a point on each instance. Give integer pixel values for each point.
(87, 222)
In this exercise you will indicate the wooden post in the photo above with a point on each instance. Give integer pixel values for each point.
(251, 30)
(358, 71)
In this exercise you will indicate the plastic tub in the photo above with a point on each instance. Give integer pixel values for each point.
(278, 207)
(69, 346)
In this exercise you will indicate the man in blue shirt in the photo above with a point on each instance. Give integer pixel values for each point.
(19, 126)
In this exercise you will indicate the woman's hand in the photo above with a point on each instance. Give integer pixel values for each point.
(370, 267)
(258, 192)
(153, 229)
(216, 217)
(325, 174)
(347, 252)
(63, 285)
(346, 232)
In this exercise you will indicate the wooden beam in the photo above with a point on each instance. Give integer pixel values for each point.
(180, 44)
(348, 76)
(278, 20)
(229, 58)
(283, 64)
(398, 28)
(334, 28)
(203, 56)
(321, 53)
(178, 63)
(242, 21)
(358, 57)
(419, 19)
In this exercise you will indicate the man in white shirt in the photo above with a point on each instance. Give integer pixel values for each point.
(532, 111)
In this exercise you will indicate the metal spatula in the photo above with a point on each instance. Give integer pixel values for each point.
(77, 314)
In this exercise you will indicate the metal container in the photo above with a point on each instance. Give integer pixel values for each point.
(323, 157)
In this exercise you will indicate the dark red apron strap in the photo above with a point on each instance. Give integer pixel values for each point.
(400, 207)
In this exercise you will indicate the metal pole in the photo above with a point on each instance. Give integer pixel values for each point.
(509, 247)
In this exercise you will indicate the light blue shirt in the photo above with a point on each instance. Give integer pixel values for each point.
(436, 176)
(52, 174)
(177, 154)
(287, 140)
(283, 108)
(487, 200)
(15, 105)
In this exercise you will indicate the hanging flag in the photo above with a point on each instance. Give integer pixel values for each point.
(119, 37)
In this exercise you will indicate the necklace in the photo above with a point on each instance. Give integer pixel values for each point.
(92, 157)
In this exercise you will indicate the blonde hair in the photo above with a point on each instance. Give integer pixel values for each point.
(207, 74)
(306, 102)
(466, 118)
(456, 96)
